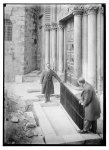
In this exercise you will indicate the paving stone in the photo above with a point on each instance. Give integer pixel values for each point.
(31, 125)
(73, 139)
(31, 121)
(38, 131)
(91, 139)
(15, 119)
(101, 135)
(29, 133)
(48, 104)
(18, 79)
(53, 139)
(38, 140)
(35, 131)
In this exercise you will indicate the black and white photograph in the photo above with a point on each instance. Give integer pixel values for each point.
(54, 74)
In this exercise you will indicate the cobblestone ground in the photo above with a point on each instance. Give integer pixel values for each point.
(19, 125)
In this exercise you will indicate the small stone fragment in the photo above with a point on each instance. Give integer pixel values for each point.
(15, 120)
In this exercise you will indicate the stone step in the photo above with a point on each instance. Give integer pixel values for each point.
(32, 76)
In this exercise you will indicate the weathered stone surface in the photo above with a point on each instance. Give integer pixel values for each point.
(53, 139)
(38, 140)
(21, 52)
(29, 133)
(31, 121)
(15, 119)
(38, 131)
(18, 79)
(73, 139)
(91, 139)
(31, 125)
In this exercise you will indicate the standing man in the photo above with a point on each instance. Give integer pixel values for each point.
(47, 82)
(91, 106)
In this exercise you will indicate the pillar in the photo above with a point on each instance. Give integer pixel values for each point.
(92, 45)
(84, 44)
(54, 46)
(47, 44)
(51, 47)
(57, 56)
(98, 49)
(61, 48)
(102, 46)
(77, 43)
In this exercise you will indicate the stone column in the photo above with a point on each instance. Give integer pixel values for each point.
(98, 48)
(47, 44)
(102, 46)
(54, 45)
(84, 44)
(51, 46)
(92, 45)
(61, 48)
(57, 49)
(77, 43)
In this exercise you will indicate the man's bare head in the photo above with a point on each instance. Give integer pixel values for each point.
(48, 66)
(81, 81)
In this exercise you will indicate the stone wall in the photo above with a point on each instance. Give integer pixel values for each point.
(14, 50)
(22, 54)
(31, 39)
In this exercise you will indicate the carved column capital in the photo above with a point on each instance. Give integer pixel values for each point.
(47, 27)
(101, 10)
(77, 12)
(54, 26)
(85, 12)
(60, 26)
(92, 10)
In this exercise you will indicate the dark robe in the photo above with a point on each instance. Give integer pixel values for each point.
(47, 81)
(91, 103)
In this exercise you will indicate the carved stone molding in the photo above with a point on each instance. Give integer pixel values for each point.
(60, 26)
(101, 10)
(53, 26)
(77, 12)
(47, 27)
(92, 10)
(85, 12)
